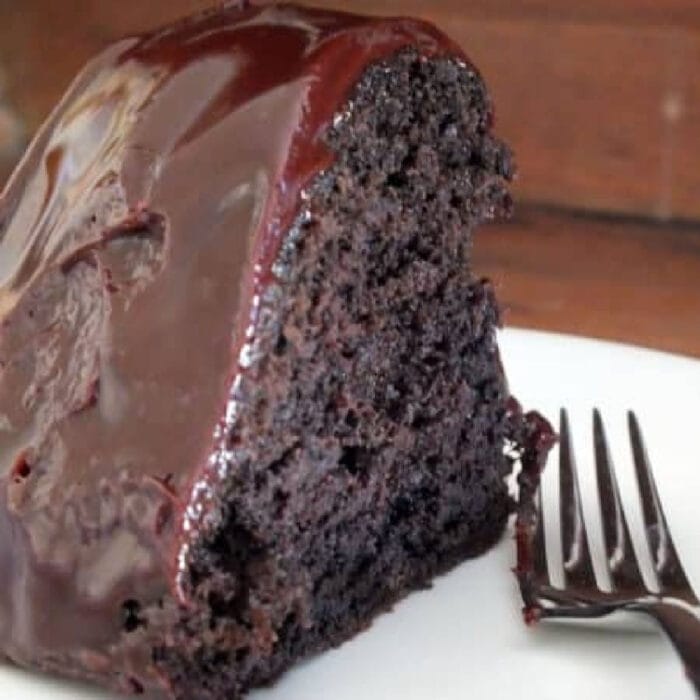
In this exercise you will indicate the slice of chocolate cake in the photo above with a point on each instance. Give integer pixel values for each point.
(250, 393)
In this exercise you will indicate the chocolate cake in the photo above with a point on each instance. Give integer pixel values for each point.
(250, 393)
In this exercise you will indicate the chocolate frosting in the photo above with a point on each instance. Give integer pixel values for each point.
(137, 238)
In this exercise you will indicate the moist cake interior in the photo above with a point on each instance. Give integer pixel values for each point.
(367, 452)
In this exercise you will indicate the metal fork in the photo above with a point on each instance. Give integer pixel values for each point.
(674, 605)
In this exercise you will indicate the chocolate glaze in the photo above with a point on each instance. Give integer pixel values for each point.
(137, 239)
(536, 443)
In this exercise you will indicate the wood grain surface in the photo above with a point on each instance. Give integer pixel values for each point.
(600, 100)
(629, 280)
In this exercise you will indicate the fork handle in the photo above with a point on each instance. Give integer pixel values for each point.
(683, 629)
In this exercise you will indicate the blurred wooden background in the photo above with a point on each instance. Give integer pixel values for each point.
(600, 100)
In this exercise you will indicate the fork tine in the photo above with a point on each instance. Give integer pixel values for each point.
(578, 567)
(622, 561)
(672, 578)
(540, 570)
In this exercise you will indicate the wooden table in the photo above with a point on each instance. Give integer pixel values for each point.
(599, 98)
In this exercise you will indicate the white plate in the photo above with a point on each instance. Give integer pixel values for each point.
(464, 638)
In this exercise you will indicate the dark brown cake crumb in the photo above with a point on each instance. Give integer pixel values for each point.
(369, 454)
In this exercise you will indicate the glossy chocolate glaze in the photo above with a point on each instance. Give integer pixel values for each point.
(536, 443)
(137, 239)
